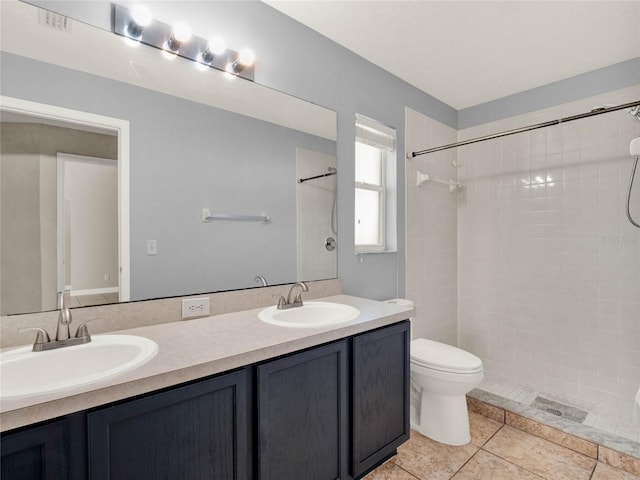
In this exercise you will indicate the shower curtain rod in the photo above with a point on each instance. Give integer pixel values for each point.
(550, 123)
(302, 180)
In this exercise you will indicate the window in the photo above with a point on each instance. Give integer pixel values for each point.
(374, 181)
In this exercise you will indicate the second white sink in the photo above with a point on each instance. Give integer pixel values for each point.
(24, 373)
(311, 314)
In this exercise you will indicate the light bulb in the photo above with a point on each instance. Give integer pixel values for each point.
(140, 18)
(141, 15)
(217, 45)
(181, 33)
(246, 57)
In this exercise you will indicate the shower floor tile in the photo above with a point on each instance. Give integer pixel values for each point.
(606, 420)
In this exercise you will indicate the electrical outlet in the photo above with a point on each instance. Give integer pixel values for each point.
(195, 307)
(152, 247)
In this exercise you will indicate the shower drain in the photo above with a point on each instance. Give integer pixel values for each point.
(559, 409)
(553, 411)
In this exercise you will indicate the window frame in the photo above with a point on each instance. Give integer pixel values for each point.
(381, 190)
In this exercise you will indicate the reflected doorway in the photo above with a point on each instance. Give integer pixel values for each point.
(33, 207)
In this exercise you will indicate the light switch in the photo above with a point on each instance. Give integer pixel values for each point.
(152, 247)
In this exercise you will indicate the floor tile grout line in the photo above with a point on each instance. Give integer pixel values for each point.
(468, 460)
(524, 468)
(516, 465)
(405, 470)
(554, 441)
(519, 466)
(493, 435)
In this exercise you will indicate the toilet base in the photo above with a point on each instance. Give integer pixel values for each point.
(443, 418)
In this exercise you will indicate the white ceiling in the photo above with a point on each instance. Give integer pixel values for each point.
(469, 52)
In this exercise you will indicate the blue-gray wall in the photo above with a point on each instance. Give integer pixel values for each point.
(613, 77)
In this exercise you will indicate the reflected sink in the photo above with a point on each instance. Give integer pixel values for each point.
(24, 373)
(311, 314)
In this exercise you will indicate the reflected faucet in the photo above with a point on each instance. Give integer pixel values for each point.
(260, 279)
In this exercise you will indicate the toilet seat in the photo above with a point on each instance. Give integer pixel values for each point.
(444, 358)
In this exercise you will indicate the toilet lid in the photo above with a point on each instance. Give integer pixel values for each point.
(443, 357)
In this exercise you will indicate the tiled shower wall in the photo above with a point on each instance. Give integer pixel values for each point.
(548, 265)
(432, 232)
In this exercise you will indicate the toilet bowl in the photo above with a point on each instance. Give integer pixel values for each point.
(441, 375)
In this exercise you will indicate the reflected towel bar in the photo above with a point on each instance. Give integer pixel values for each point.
(207, 216)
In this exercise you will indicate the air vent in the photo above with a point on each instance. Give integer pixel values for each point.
(55, 20)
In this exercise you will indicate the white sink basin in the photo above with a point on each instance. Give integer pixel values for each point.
(311, 314)
(24, 373)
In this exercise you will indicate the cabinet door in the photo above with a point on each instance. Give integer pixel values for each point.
(37, 453)
(302, 415)
(197, 431)
(380, 409)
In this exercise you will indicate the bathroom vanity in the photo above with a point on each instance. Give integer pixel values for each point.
(320, 403)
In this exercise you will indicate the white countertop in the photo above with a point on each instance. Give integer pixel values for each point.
(192, 349)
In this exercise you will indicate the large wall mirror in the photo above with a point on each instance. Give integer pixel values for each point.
(112, 154)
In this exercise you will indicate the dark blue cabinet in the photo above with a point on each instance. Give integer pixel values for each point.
(37, 453)
(380, 400)
(334, 412)
(302, 415)
(197, 431)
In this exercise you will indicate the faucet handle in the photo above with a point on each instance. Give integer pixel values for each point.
(83, 331)
(42, 336)
(281, 301)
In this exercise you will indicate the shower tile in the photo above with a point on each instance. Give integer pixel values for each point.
(486, 466)
(430, 460)
(540, 456)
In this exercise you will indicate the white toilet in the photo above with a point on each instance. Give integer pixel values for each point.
(441, 375)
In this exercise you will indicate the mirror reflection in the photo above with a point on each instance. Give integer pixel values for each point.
(196, 140)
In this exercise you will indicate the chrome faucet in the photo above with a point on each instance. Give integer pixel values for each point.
(260, 279)
(64, 320)
(293, 299)
(63, 334)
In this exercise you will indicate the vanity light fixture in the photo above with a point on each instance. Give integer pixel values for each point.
(137, 24)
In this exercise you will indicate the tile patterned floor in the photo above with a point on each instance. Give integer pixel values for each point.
(496, 452)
